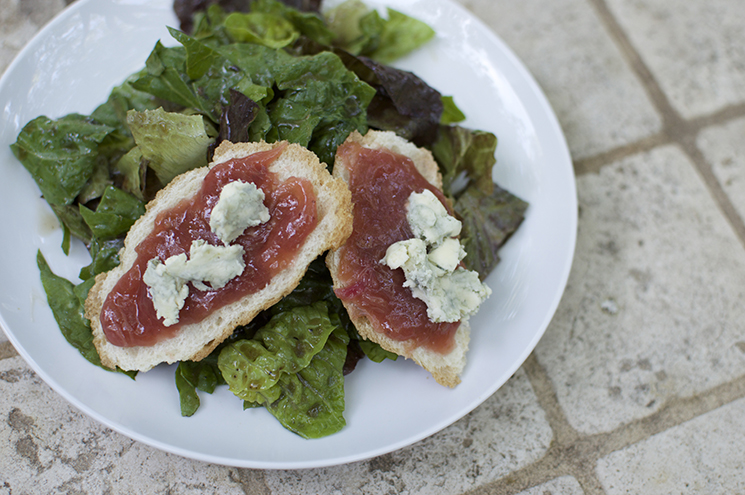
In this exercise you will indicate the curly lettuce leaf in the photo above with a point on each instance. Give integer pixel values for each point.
(362, 31)
(61, 154)
(173, 143)
(311, 402)
(252, 368)
(306, 21)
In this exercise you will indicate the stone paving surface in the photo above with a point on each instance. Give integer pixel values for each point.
(638, 385)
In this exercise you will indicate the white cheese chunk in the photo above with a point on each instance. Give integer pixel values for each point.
(216, 265)
(428, 218)
(168, 292)
(241, 205)
(430, 262)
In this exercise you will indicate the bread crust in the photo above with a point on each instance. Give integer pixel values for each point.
(445, 368)
(196, 341)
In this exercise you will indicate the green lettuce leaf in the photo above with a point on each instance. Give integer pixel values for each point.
(450, 111)
(114, 215)
(61, 154)
(191, 376)
(261, 28)
(252, 368)
(165, 78)
(400, 36)
(312, 401)
(104, 257)
(360, 30)
(308, 23)
(67, 302)
(173, 143)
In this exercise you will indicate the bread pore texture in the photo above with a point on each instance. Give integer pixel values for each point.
(445, 368)
(194, 341)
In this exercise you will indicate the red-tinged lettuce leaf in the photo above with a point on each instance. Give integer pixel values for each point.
(236, 119)
(488, 221)
(460, 151)
(403, 102)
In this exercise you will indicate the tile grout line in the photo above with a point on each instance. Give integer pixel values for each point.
(578, 458)
(570, 452)
(677, 129)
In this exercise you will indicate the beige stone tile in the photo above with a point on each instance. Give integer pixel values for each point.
(46, 446)
(599, 101)
(724, 148)
(703, 455)
(655, 301)
(507, 432)
(566, 485)
(695, 49)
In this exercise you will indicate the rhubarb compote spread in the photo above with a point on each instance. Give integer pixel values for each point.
(381, 182)
(128, 316)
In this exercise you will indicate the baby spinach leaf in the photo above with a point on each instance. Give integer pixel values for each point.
(191, 376)
(60, 154)
(67, 302)
(114, 215)
(104, 257)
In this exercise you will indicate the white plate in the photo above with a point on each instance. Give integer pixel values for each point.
(92, 46)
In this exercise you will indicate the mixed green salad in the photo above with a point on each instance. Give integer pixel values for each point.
(247, 70)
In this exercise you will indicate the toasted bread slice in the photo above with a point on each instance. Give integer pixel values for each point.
(196, 341)
(445, 368)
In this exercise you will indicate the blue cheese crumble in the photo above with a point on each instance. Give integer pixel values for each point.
(208, 267)
(431, 260)
(241, 205)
